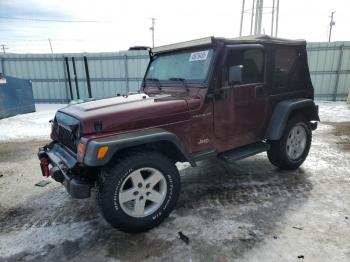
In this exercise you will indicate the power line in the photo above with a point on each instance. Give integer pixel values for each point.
(51, 20)
(20, 39)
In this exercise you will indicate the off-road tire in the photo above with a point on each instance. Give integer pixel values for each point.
(110, 180)
(277, 153)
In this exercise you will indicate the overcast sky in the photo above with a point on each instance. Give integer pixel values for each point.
(113, 25)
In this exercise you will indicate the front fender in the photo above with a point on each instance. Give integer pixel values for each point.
(283, 111)
(122, 141)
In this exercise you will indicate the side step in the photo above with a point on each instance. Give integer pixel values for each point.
(244, 151)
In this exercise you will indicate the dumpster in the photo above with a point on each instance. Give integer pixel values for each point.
(16, 96)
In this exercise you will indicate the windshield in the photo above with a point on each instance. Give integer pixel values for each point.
(185, 65)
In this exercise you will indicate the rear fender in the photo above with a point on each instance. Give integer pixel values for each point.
(284, 110)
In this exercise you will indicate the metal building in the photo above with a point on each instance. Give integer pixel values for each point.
(121, 72)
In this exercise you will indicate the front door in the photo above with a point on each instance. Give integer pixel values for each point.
(240, 105)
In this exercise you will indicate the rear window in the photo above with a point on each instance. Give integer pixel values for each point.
(285, 59)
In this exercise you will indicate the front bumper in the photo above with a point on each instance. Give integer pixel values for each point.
(58, 162)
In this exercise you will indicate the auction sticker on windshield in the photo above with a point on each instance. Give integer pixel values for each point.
(197, 56)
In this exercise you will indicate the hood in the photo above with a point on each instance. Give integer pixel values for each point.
(127, 113)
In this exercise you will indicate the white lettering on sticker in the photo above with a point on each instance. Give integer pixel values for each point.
(197, 56)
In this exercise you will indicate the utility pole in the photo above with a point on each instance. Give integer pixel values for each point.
(242, 16)
(4, 48)
(152, 29)
(331, 24)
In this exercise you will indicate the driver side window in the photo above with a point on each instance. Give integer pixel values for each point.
(251, 64)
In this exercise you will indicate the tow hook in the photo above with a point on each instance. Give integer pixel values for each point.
(44, 165)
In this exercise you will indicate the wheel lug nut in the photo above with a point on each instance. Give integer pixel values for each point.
(139, 184)
(141, 197)
(136, 193)
(148, 193)
(148, 185)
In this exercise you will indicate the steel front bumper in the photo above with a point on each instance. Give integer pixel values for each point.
(56, 161)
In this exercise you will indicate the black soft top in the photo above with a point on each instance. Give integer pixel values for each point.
(207, 41)
(260, 39)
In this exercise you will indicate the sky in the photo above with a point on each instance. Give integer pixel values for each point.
(113, 25)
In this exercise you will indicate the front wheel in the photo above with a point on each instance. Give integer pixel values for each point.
(292, 149)
(139, 191)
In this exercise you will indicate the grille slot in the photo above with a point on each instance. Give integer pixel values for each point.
(66, 137)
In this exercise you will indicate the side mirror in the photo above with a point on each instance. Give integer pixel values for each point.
(235, 74)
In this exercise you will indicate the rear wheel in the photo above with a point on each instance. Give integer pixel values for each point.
(292, 149)
(139, 191)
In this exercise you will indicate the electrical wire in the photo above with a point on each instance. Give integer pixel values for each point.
(51, 20)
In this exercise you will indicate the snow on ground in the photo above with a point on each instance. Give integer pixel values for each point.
(36, 125)
(334, 111)
(29, 126)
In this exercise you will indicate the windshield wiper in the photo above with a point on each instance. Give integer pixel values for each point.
(159, 86)
(182, 80)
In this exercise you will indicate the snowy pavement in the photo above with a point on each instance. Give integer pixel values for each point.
(334, 111)
(245, 211)
(36, 125)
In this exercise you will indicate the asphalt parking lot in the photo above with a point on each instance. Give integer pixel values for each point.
(244, 211)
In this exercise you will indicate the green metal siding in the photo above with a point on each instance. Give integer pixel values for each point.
(121, 72)
(329, 65)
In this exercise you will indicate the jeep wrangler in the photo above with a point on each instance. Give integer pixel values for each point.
(210, 97)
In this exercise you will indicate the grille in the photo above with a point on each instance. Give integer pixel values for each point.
(66, 137)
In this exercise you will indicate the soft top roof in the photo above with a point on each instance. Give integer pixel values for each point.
(238, 40)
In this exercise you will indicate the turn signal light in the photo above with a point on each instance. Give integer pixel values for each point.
(81, 151)
(102, 151)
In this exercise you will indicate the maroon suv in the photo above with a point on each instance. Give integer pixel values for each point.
(211, 97)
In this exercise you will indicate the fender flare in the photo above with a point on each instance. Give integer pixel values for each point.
(282, 112)
(132, 139)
